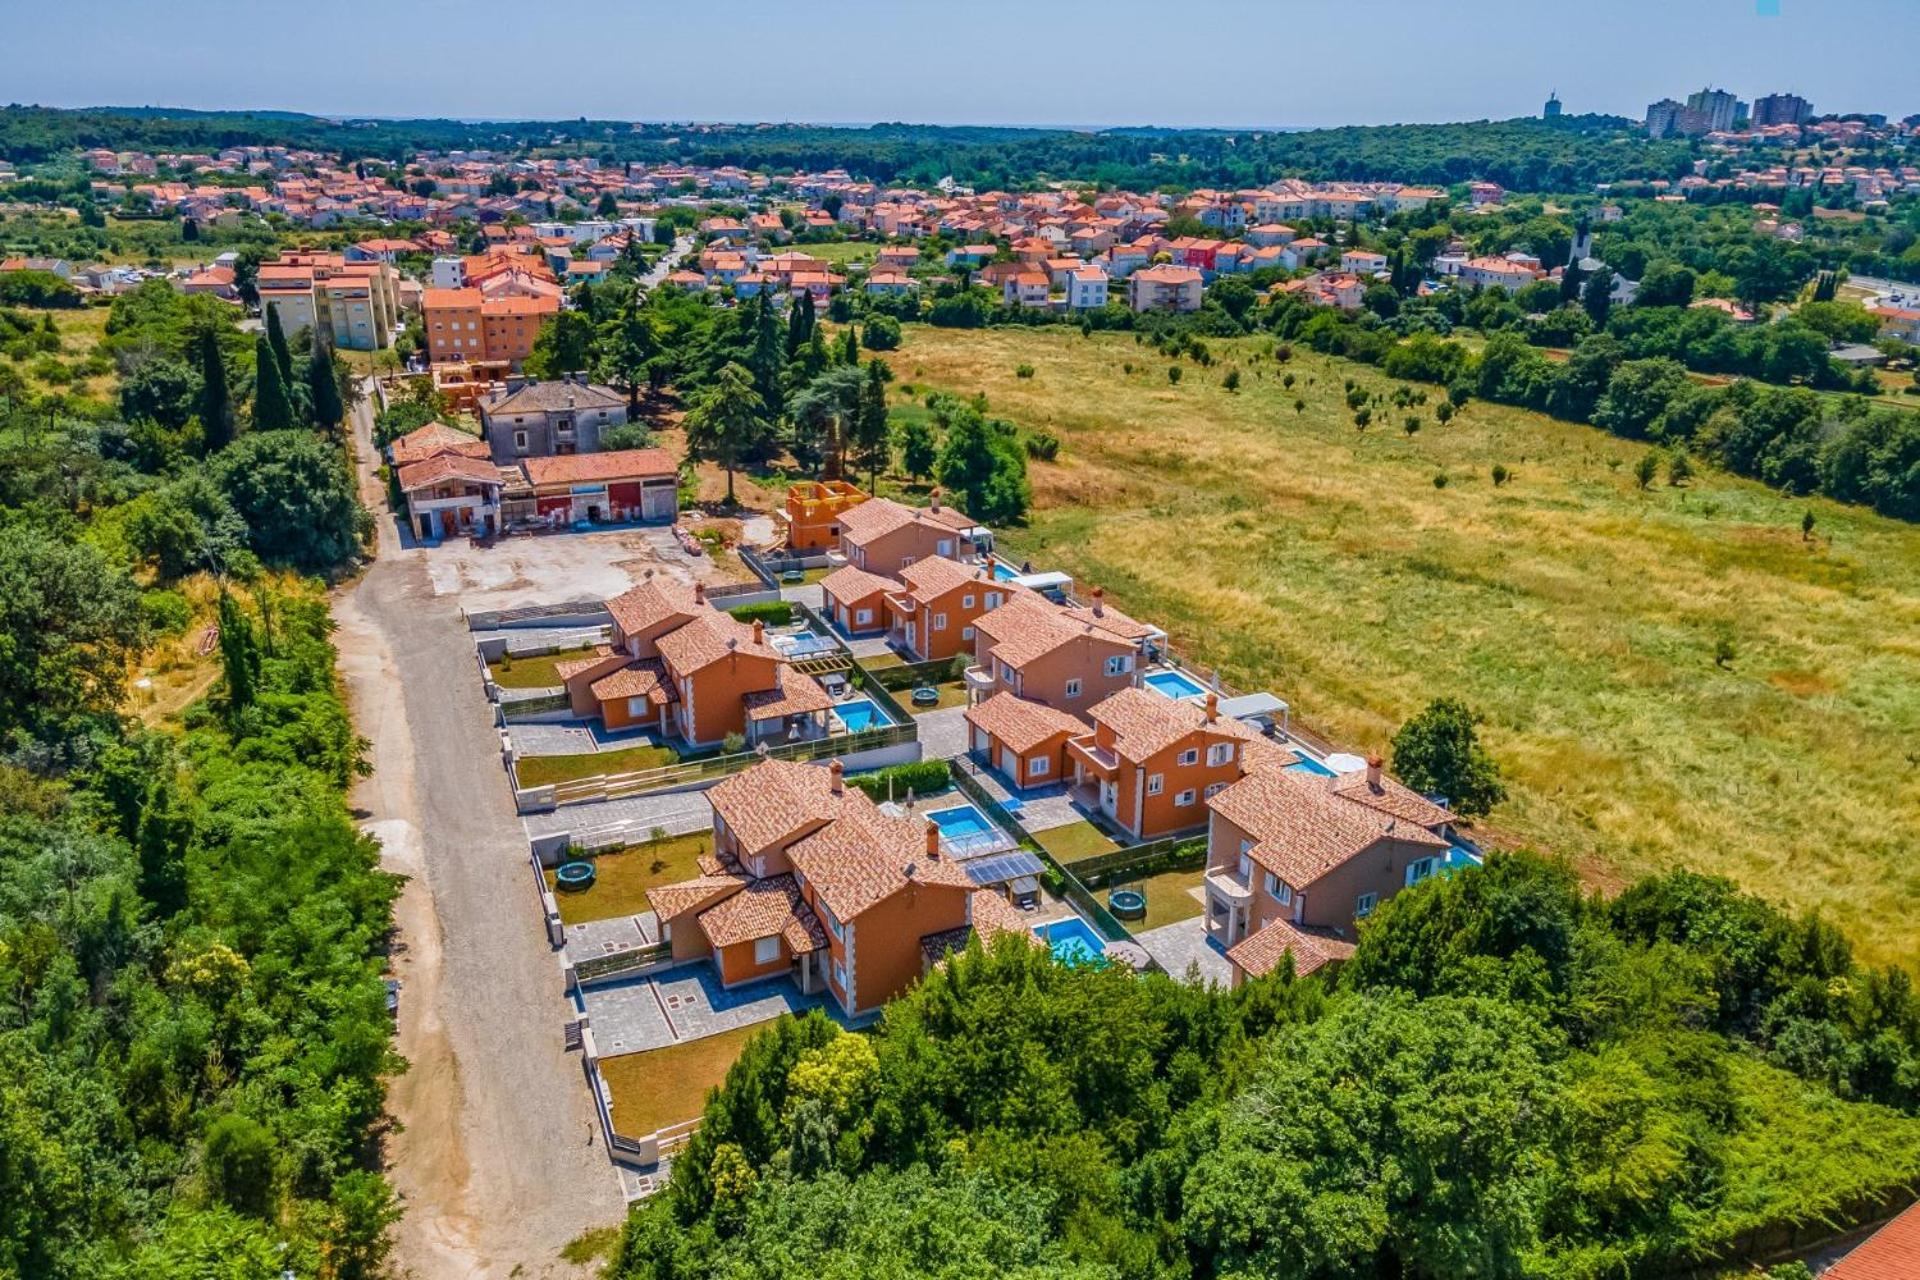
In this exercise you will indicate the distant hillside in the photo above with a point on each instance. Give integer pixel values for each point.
(1527, 154)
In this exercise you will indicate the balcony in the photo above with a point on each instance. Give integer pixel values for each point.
(979, 681)
(1100, 760)
(1230, 886)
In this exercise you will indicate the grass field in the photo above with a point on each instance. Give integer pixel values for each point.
(840, 252)
(621, 879)
(533, 673)
(1074, 841)
(1578, 614)
(665, 1086)
(80, 329)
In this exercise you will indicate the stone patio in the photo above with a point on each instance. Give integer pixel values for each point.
(687, 1003)
(943, 734)
(595, 938)
(1183, 944)
(675, 812)
(574, 737)
(1037, 809)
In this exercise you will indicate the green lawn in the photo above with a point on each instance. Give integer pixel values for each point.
(1577, 613)
(839, 253)
(953, 693)
(621, 878)
(533, 673)
(666, 1086)
(1074, 841)
(1169, 898)
(541, 771)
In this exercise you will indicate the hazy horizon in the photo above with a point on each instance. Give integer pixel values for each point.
(1286, 64)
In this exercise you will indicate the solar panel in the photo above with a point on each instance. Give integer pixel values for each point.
(998, 868)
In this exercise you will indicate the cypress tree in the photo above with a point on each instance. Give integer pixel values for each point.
(166, 829)
(277, 339)
(272, 410)
(768, 359)
(239, 656)
(849, 347)
(215, 405)
(799, 324)
(324, 386)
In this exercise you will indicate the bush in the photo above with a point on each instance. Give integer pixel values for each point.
(1173, 375)
(775, 613)
(1023, 371)
(880, 333)
(922, 777)
(167, 612)
(1043, 445)
(1232, 381)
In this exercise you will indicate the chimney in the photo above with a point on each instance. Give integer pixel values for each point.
(933, 842)
(699, 593)
(836, 778)
(1213, 706)
(935, 504)
(1099, 602)
(759, 631)
(1373, 772)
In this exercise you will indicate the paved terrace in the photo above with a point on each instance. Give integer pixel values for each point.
(687, 1003)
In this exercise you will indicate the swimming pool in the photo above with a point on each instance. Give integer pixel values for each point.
(1174, 684)
(960, 823)
(1072, 941)
(860, 714)
(1306, 764)
(802, 644)
(1004, 572)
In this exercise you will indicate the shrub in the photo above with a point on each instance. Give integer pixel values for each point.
(880, 333)
(775, 613)
(1439, 479)
(1023, 371)
(1173, 375)
(1043, 445)
(733, 744)
(922, 777)
(1232, 381)
(1500, 475)
(167, 612)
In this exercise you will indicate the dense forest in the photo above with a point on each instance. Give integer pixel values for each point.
(193, 1031)
(1510, 1079)
(1570, 153)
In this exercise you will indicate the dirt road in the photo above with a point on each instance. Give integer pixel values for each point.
(492, 1158)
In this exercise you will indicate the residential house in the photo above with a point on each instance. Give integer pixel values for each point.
(932, 612)
(467, 326)
(1068, 657)
(1362, 262)
(881, 535)
(1026, 288)
(1086, 289)
(1025, 740)
(1496, 273)
(1295, 857)
(1152, 762)
(1164, 288)
(449, 482)
(552, 418)
(856, 600)
(810, 520)
(618, 485)
(1902, 323)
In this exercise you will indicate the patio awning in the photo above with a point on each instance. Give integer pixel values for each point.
(998, 868)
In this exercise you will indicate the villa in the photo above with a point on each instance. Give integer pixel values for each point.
(1068, 657)
(1152, 762)
(856, 601)
(881, 535)
(811, 879)
(1296, 854)
(810, 520)
(933, 610)
(1026, 741)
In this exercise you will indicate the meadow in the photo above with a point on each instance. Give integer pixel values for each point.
(1669, 676)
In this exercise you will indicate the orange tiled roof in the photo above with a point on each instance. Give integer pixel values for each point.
(447, 466)
(867, 857)
(1027, 627)
(796, 694)
(1891, 1253)
(1020, 724)
(671, 900)
(1260, 952)
(878, 516)
(1301, 829)
(849, 583)
(765, 909)
(709, 638)
(929, 579)
(1145, 722)
(655, 600)
(646, 678)
(1390, 798)
(777, 799)
(619, 464)
(433, 439)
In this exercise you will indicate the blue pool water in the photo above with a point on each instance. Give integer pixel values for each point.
(1004, 572)
(859, 714)
(1174, 684)
(1072, 941)
(961, 823)
(1306, 765)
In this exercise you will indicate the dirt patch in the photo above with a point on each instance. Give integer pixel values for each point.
(1801, 684)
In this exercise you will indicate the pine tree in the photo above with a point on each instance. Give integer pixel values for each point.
(323, 384)
(215, 405)
(272, 410)
(919, 447)
(871, 443)
(768, 359)
(277, 339)
(849, 347)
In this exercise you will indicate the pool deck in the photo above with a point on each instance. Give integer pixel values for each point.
(1184, 946)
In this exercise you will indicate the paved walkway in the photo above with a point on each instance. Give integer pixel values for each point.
(1184, 947)
(867, 646)
(593, 939)
(678, 812)
(943, 734)
(687, 1003)
(520, 639)
(808, 594)
(1039, 809)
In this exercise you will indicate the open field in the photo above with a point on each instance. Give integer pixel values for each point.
(621, 879)
(1580, 615)
(665, 1086)
(80, 329)
(838, 252)
(1074, 841)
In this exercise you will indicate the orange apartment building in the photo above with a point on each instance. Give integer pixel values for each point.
(466, 326)
(809, 879)
(1068, 657)
(1151, 762)
(810, 520)
(681, 668)
(1295, 858)
(883, 536)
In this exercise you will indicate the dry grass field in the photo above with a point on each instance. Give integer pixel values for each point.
(1583, 617)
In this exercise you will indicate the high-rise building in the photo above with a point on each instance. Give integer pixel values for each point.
(1552, 109)
(1709, 111)
(1663, 118)
(1781, 108)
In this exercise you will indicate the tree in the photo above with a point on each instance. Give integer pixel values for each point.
(323, 386)
(165, 830)
(272, 409)
(1438, 752)
(824, 416)
(240, 1164)
(239, 656)
(728, 422)
(563, 345)
(295, 493)
(1596, 296)
(1647, 468)
(849, 346)
(214, 404)
(282, 353)
(768, 359)
(984, 464)
(800, 324)
(869, 442)
(70, 627)
(1665, 284)
(881, 333)
(161, 391)
(626, 344)
(919, 447)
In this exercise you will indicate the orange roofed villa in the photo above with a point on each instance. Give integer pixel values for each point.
(810, 520)
(680, 668)
(884, 536)
(809, 878)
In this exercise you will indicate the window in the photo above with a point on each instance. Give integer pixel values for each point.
(1155, 784)
(1419, 869)
(1119, 664)
(993, 599)
(939, 622)
(839, 975)
(766, 950)
(1363, 905)
(966, 601)
(832, 922)
(1220, 753)
(1190, 756)
(1279, 889)
(1037, 767)
(966, 633)
(863, 616)
(1006, 673)
(520, 441)
(1215, 788)
(1246, 864)
(1073, 688)
(1183, 799)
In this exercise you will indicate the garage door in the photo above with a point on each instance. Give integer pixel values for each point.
(658, 502)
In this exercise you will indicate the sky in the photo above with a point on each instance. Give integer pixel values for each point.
(1231, 63)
